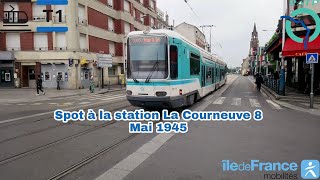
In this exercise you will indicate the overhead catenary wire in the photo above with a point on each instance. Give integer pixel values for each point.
(186, 1)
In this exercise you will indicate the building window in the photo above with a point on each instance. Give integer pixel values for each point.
(61, 43)
(194, 64)
(47, 76)
(112, 71)
(152, 22)
(152, 4)
(82, 15)
(134, 13)
(173, 62)
(127, 6)
(111, 24)
(13, 41)
(112, 48)
(126, 28)
(83, 42)
(40, 41)
(32, 75)
(110, 3)
(122, 70)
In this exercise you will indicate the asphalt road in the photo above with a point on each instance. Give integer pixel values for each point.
(40, 148)
(283, 135)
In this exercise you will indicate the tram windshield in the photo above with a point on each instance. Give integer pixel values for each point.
(147, 57)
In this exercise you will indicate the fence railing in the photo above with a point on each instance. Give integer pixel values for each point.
(273, 84)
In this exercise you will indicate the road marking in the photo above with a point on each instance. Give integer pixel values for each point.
(254, 103)
(127, 165)
(21, 104)
(100, 97)
(51, 112)
(113, 98)
(220, 100)
(65, 104)
(276, 106)
(53, 103)
(84, 103)
(36, 104)
(236, 102)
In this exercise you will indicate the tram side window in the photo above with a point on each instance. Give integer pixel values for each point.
(212, 72)
(208, 75)
(173, 62)
(194, 64)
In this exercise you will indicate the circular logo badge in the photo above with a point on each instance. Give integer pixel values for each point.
(310, 12)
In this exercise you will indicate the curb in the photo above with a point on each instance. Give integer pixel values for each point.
(287, 105)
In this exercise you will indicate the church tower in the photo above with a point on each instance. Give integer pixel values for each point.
(254, 43)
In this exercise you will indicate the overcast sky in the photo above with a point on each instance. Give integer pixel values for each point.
(234, 21)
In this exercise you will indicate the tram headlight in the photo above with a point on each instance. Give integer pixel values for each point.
(161, 93)
(129, 92)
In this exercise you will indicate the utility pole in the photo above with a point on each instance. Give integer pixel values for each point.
(282, 74)
(210, 26)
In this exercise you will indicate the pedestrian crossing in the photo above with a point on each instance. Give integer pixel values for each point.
(253, 102)
(76, 100)
(220, 100)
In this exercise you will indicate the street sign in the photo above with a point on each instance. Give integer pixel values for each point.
(312, 58)
(104, 60)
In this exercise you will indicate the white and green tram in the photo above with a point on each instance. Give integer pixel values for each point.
(166, 70)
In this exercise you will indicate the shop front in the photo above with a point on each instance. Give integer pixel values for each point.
(298, 71)
(6, 69)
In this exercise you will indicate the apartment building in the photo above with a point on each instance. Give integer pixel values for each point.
(94, 27)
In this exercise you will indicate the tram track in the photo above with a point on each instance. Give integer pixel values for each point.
(88, 159)
(48, 114)
(93, 157)
(53, 126)
(59, 141)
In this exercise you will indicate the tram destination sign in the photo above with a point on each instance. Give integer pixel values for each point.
(147, 40)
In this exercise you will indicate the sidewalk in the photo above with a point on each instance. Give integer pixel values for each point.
(19, 95)
(292, 100)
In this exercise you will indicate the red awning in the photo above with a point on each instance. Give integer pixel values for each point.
(294, 49)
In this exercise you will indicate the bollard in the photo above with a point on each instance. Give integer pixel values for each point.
(109, 86)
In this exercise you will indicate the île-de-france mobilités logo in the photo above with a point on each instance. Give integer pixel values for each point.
(310, 169)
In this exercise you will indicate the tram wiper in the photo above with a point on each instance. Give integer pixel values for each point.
(134, 79)
(155, 66)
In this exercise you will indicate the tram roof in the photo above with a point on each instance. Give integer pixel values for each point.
(175, 34)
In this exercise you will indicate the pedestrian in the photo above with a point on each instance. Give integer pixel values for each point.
(39, 85)
(259, 81)
(58, 82)
(91, 87)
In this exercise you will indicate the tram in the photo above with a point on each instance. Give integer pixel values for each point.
(165, 70)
